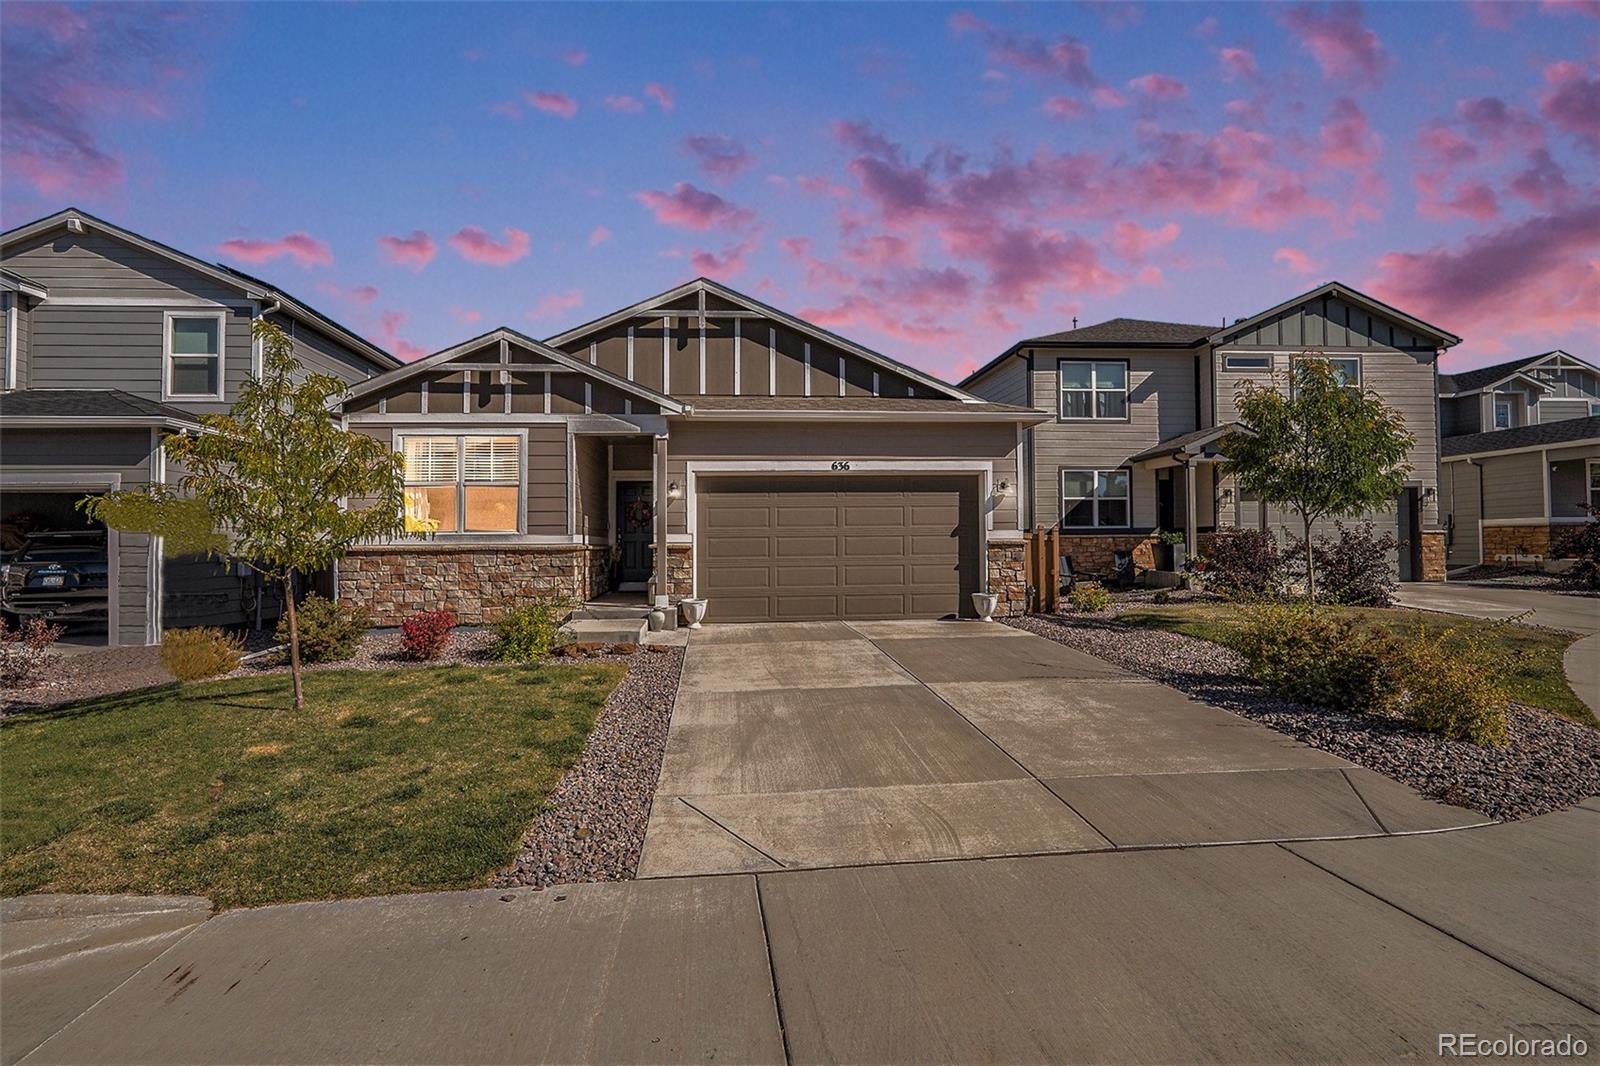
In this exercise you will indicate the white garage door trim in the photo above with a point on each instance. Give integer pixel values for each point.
(108, 482)
(983, 469)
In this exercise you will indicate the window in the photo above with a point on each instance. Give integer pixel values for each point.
(194, 356)
(1594, 410)
(1346, 368)
(463, 484)
(1594, 482)
(1502, 414)
(1094, 389)
(1095, 499)
(1247, 362)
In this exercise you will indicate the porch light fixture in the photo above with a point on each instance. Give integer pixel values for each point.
(1227, 495)
(1003, 489)
(674, 492)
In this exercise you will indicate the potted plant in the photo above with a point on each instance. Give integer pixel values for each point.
(1173, 550)
(694, 612)
(985, 603)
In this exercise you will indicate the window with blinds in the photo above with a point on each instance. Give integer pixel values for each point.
(464, 484)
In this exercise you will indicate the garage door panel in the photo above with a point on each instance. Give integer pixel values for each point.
(829, 547)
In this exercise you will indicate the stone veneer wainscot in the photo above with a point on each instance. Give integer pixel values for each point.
(394, 582)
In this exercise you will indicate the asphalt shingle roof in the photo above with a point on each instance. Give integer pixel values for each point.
(1468, 380)
(86, 404)
(1129, 331)
(930, 404)
(1567, 431)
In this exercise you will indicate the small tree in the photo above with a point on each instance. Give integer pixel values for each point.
(275, 484)
(1320, 447)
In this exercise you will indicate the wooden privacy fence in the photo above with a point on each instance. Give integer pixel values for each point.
(1041, 569)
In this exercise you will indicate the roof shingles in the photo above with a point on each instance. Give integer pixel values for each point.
(88, 404)
(1566, 431)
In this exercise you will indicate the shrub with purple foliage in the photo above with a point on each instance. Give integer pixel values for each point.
(1243, 562)
(424, 636)
(1353, 566)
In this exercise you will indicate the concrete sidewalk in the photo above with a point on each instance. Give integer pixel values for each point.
(1335, 951)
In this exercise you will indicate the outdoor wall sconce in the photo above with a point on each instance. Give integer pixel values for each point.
(1003, 489)
(1227, 495)
(1429, 492)
(674, 492)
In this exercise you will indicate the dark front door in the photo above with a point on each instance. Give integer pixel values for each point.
(635, 518)
(1410, 528)
(1166, 500)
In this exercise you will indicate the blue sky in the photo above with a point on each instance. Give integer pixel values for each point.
(933, 180)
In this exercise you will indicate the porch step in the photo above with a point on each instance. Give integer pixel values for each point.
(606, 630)
(609, 611)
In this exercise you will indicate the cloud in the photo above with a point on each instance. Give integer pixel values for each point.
(552, 103)
(1573, 101)
(598, 236)
(1346, 138)
(694, 208)
(474, 244)
(415, 251)
(626, 104)
(1496, 14)
(1064, 107)
(1493, 122)
(1296, 260)
(1466, 199)
(1339, 41)
(1133, 242)
(663, 95)
(1159, 87)
(1443, 146)
(306, 250)
(464, 314)
(552, 304)
(389, 325)
(359, 294)
(1064, 58)
(1238, 64)
(1542, 183)
(1107, 97)
(719, 156)
(1547, 268)
(722, 265)
(575, 57)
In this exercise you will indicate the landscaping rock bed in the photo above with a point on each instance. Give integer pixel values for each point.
(1550, 763)
(594, 822)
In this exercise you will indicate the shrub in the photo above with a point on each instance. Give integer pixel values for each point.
(1455, 686)
(528, 632)
(1322, 658)
(194, 654)
(1163, 597)
(1244, 563)
(328, 631)
(424, 636)
(1582, 543)
(25, 658)
(1089, 597)
(1353, 566)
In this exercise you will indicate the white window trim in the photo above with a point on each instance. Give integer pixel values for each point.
(1495, 414)
(1094, 475)
(220, 395)
(1590, 469)
(1341, 357)
(1094, 391)
(1230, 362)
(461, 482)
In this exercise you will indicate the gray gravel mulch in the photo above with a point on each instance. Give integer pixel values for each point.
(1549, 763)
(592, 828)
(87, 674)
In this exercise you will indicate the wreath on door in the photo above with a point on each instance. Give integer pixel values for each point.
(638, 514)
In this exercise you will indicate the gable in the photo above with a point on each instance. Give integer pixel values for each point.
(97, 265)
(1329, 322)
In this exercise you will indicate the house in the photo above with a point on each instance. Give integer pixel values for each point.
(111, 341)
(697, 444)
(1520, 458)
(1136, 412)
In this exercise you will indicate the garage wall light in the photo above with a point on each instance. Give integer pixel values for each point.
(674, 492)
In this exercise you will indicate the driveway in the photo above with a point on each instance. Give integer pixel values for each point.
(841, 744)
(1556, 610)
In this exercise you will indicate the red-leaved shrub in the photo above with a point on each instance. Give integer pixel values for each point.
(424, 636)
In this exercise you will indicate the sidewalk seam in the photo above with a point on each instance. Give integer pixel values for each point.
(760, 851)
(772, 972)
(1370, 812)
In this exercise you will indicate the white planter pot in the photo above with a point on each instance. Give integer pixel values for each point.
(985, 603)
(694, 612)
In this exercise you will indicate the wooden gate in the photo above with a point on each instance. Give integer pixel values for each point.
(1041, 569)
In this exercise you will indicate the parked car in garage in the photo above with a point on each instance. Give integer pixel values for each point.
(57, 574)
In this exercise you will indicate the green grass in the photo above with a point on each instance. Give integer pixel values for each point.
(387, 782)
(1537, 677)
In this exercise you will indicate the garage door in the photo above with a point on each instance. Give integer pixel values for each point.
(804, 548)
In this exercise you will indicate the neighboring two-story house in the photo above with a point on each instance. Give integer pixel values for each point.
(112, 340)
(1137, 411)
(1520, 457)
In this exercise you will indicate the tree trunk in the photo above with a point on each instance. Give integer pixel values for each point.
(1311, 572)
(294, 640)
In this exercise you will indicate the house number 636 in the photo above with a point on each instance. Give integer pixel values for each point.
(841, 464)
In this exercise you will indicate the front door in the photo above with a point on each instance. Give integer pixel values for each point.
(1409, 535)
(635, 532)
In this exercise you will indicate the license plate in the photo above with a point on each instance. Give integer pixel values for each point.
(53, 581)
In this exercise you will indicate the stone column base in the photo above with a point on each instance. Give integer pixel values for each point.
(1005, 578)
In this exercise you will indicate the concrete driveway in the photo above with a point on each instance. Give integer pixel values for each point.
(835, 744)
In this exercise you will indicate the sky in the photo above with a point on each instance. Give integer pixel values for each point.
(934, 181)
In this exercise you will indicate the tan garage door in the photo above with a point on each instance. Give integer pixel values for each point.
(780, 548)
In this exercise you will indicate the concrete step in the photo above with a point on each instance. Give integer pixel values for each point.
(609, 611)
(606, 630)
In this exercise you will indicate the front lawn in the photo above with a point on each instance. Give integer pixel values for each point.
(1537, 680)
(390, 781)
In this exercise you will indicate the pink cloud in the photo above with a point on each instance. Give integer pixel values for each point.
(1445, 147)
(1339, 40)
(1107, 97)
(552, 103)
(552, 304)
(1545, 267)
(1347, 140)
(1065, 58)
(415, 251)
(1573, 101)
(598, 236)
(1063, 107)
(625, 104)
(857, 312)
(1496, 14)
(1589, 8)
(464, 314)
(304, 249)
(718, 155)
(1237, 64)
(1159, 87)
(1542, 183)
(360, 294)
(818, 272)
(1296, 260)
(1492, 121)
(1466, 199)
(389, 325)
(663, 95)
(880, 251)
(575, 57)
(693, 208)
(721, 266)
(474, 244)
(1133, 242)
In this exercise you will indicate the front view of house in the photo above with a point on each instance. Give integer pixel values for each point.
(751, 459)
